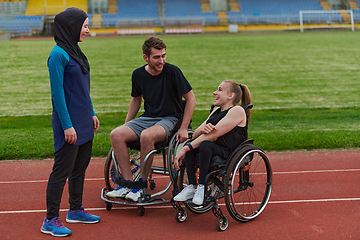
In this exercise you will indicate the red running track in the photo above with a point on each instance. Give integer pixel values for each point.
(316, 195)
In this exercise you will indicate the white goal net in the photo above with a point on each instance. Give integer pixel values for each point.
(326, 19)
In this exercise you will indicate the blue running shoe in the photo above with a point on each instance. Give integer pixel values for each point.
(55, 228)
(81, 216)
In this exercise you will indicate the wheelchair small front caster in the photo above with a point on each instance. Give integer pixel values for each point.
(181, 215)
(152, 184)
(147, 198)
(141, 210)
(223, 223)
(108, 206)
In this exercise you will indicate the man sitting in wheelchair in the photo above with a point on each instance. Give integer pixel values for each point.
(218, 135)
(162, 86)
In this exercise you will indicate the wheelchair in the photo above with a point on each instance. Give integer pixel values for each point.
(112, 173)
(243, 180)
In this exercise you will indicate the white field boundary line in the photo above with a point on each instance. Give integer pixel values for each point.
(158, 177)
(200, 109)
(166, 207)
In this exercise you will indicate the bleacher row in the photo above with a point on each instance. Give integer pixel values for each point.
(22, 24)
(272, 11)
(251, 12)
(13, 19)
(157, 12)
(356, 12)
(148, 9)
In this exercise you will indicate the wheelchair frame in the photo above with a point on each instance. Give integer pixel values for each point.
(111, 173)
(245, 175)
(240, 180)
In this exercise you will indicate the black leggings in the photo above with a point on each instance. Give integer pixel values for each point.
(70, 163)
(204, 153)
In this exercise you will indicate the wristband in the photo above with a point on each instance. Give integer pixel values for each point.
(189, 145)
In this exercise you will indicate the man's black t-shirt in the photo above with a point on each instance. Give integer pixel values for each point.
(162, 93)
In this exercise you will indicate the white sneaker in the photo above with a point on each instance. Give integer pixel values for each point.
(185, 194)
(134, 194)
(198, 198)
(119, 192)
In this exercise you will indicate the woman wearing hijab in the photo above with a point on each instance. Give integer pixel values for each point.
(73, 121)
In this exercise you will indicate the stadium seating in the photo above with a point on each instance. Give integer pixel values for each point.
(112, 6)
(356, 14)
(22, 24)
(265, 11)
(138, 10)
(188, 9)
(53, 7)
(174, 14)
(98, 6)
(12, 19)
(12, 8)
(356, 11)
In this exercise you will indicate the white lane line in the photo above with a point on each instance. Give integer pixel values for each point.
(86, 179)
(317, 200)
(162, 207)
(45, 181)
(318, 171)
(158, 177)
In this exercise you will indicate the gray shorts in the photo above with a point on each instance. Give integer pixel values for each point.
(141, 123)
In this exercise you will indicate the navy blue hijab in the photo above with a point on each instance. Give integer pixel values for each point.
(67, 29)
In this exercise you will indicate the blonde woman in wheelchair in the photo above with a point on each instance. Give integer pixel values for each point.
(224, 129)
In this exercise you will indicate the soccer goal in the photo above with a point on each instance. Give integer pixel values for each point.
(329, 18)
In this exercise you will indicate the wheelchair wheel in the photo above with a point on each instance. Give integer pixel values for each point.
(112, 171)
(181, 215)
(223, 223)
(108, 206)
(212, 191)
(173, 149)
(152, 184)
(248, 184)
(141, 210)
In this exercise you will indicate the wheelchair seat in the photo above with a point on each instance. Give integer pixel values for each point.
(217, 162)
(136, 145)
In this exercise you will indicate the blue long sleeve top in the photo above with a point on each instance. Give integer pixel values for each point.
(70, 93)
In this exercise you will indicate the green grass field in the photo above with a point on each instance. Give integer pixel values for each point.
(305, 87)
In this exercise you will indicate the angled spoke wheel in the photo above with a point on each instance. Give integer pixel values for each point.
(248, 184)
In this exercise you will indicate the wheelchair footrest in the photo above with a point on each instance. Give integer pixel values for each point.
(143, 202)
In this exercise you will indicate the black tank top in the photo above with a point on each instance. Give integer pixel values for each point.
(232, 139)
